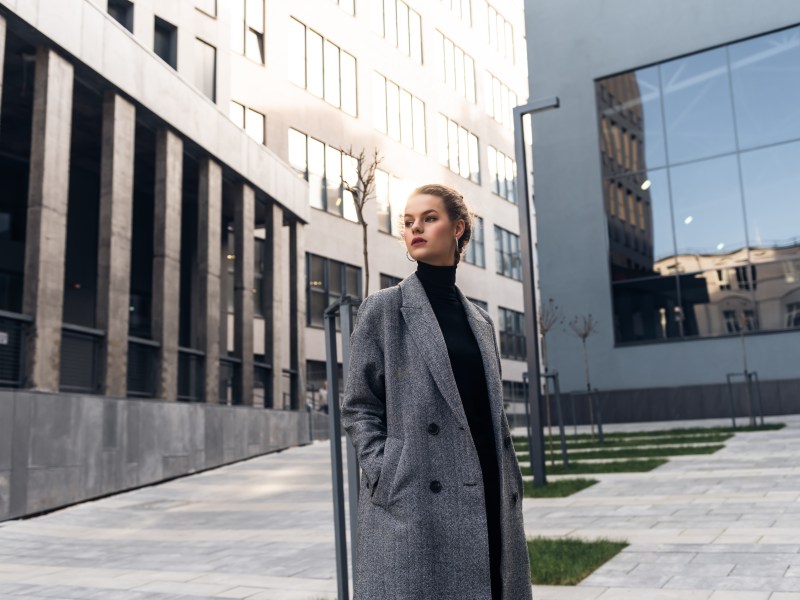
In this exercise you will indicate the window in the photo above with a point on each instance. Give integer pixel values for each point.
(258, 276)
(389, 280)
(400, 25)
(398, 114)
(207, 6)
(793, 315)
(206, 68)
(321, 67)
(347, 6)
(165, 42)
(390, 196)
(252, 121)
(480, 303)
(454, 66)
(503, 174)
(475, 250)
(700, 189)
(247, 28)
(507, 253)
(497, 31)
(500, 101)
(122, 12)
(458, 149)
(327, 281)
(323, 167)
(512, 334)
(460, 8)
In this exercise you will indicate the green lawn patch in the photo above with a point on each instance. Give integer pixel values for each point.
(682, 431)
(557, 488)
(566, 561)
(630, 452)
(624, 466)
(715, 438)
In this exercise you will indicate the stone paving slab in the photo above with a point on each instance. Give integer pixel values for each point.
(724, 525)
(710, 527)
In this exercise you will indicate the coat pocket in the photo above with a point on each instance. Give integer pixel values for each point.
(392, 447)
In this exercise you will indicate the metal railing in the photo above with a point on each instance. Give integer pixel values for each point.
(80, 358)
(142, 361)
(13, 330)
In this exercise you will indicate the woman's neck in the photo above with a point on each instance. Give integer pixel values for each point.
(439, 280)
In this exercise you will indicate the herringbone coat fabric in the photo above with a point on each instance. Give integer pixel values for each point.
(422, 532)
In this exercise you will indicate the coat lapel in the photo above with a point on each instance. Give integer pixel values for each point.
(424, 328)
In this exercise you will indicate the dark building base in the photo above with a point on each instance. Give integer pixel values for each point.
(779, 397)
(59, 449)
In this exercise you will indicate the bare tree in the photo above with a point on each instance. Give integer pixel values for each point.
(583, 327)
(362, 190)
(549, 316)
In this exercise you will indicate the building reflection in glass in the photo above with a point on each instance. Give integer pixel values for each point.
(701, 183)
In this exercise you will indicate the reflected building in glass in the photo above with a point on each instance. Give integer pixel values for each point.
(697, 140)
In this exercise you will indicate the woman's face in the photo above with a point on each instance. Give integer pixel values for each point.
(426, 219)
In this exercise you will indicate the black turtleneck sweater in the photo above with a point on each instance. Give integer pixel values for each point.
(467, 364)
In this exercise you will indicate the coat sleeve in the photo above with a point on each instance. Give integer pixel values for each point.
(363, 408)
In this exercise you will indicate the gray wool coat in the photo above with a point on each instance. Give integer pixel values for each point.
(422, 531)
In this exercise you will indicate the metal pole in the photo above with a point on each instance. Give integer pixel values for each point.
(598, 413)
(535, 438)
(335, 431)
(753, 381)
(353, 479)
(560, 417)
(730, 400)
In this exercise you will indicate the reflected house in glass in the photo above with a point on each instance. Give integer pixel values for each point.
(698, 132)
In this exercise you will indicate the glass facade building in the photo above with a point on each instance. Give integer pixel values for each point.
(699, 158)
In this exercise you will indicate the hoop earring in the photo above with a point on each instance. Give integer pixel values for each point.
(409, 257)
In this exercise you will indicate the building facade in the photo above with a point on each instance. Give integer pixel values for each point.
(173, 219)
(667, 200)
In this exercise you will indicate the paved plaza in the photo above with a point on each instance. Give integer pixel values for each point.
(707, 527)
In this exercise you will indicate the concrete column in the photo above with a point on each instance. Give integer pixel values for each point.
(166, 259)
(273, 295)
(244, 250)
(114, 240)
(297, 314)
(206, 310)
(46, 229)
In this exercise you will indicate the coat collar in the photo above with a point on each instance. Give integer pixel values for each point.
(424, 328)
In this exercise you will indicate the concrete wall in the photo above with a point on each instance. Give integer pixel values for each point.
(58, 449)
(571, 43)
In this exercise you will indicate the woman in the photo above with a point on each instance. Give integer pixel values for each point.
(440, 511)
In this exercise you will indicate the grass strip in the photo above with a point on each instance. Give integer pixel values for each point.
(630, 452)
(627, 466)
(566, 561)
(675, 431)
(557, 488)
(573, 444)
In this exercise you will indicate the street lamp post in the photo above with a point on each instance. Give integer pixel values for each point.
(535, 437)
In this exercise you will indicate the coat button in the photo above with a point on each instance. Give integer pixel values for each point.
(507, 441)
(436, 487)
(433, 429)
(514, 498)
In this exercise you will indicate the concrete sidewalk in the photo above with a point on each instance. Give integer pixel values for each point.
(724, 526)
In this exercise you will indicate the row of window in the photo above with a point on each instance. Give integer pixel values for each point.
(324, 166)
(399, 25)
(328, 280)
(321, 67)
(398, 114)
(454, 66)
(325, 70)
